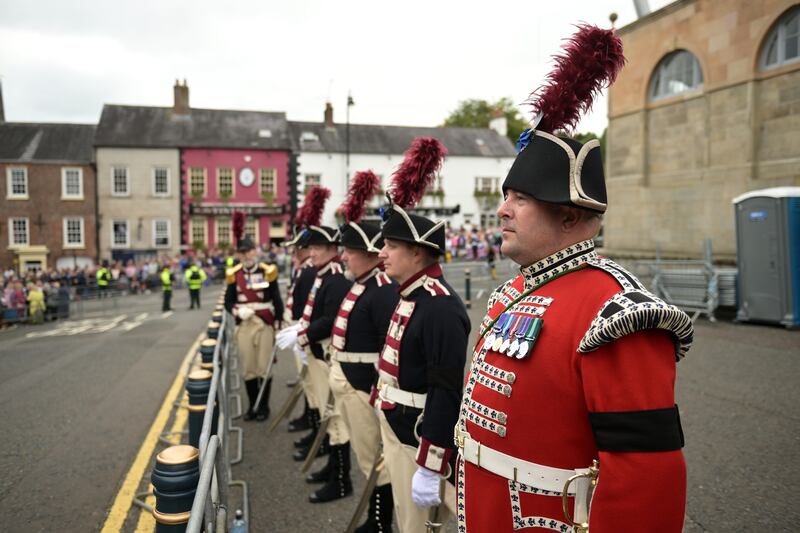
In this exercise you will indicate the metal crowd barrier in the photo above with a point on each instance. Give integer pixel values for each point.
(209, 511)
(690, 284)
(210, 507)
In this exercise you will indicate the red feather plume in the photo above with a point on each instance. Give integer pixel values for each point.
(238, 225)
(363, 187)
(591, 60)
(417, 171)
(311, 212)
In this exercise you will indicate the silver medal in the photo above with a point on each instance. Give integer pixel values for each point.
(522, 351)
(504, 346)
(489, 339)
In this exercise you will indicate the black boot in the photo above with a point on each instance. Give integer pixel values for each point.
(305, 442)
(321, 476)
(251, 385)
(301, 453)
(339, 484)
(302, 422)
(263, 408)
(381, 509)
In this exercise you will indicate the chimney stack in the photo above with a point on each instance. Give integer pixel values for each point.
(328, 115)
(181, 105)
(498, 122)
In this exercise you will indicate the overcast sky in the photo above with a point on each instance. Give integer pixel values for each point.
(406, 63)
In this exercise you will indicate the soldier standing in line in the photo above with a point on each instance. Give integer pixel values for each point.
(421, 367)
(310, 337)
(252, 296)
(195, 277)
(167, 277)
(303, 276)
(358, 336)
(568, 418)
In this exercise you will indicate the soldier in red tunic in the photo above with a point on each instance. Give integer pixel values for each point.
(252, 296)
(568, 419)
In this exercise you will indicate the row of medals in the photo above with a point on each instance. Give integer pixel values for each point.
(516, 341)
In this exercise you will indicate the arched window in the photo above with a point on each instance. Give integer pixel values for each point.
(677, 73)
(782, 45)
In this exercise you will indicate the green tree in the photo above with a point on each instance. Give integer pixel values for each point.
(476, 113)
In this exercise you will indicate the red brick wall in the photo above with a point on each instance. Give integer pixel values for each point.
(44, 198)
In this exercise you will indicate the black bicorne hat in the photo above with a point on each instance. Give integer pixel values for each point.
(421, 163)
(245, 244)
(362, 236)
(560, 171)
(402, 226)
(320, 235)
(298, 238)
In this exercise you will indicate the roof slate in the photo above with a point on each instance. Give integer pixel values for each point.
(32, 142)
(375, 139)
(160, 127)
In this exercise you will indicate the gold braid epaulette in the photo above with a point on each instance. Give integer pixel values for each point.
(230, 273)
(270, 271)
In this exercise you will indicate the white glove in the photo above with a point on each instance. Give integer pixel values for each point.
(287, 336)
(245, 313)
(301, 353)
(425, 487)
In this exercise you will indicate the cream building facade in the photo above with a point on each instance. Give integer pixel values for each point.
(138, 202)
(707, 108)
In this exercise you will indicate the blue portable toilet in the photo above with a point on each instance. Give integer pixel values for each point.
(768, 253)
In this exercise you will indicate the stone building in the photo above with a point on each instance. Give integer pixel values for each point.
(708, 107)
(48, 205)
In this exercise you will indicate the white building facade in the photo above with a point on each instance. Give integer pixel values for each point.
(466, 192)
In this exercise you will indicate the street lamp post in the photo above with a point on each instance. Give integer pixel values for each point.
(347, 142)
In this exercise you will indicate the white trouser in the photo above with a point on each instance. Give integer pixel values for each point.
(361, 421)
(318, 372)
(400, 461)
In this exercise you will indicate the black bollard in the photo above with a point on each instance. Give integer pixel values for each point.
(213, 330)
(198, 386)
(468, 289)
(175, 477)
(207, 348)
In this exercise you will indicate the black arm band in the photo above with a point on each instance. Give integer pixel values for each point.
(446, 377)
(654, 430)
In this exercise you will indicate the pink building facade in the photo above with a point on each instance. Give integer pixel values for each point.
(217, 182)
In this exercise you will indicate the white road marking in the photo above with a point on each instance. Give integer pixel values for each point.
(97, 325)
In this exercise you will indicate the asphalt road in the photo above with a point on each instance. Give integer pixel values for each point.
(78, 402)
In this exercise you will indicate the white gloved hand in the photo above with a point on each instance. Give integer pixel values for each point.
(425, 487)
(245, 313)
(287, 336)
(301, 353)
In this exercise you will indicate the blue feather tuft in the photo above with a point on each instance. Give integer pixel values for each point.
(524, 139)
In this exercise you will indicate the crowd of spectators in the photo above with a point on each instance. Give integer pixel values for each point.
(475, 244)
(41, 295)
